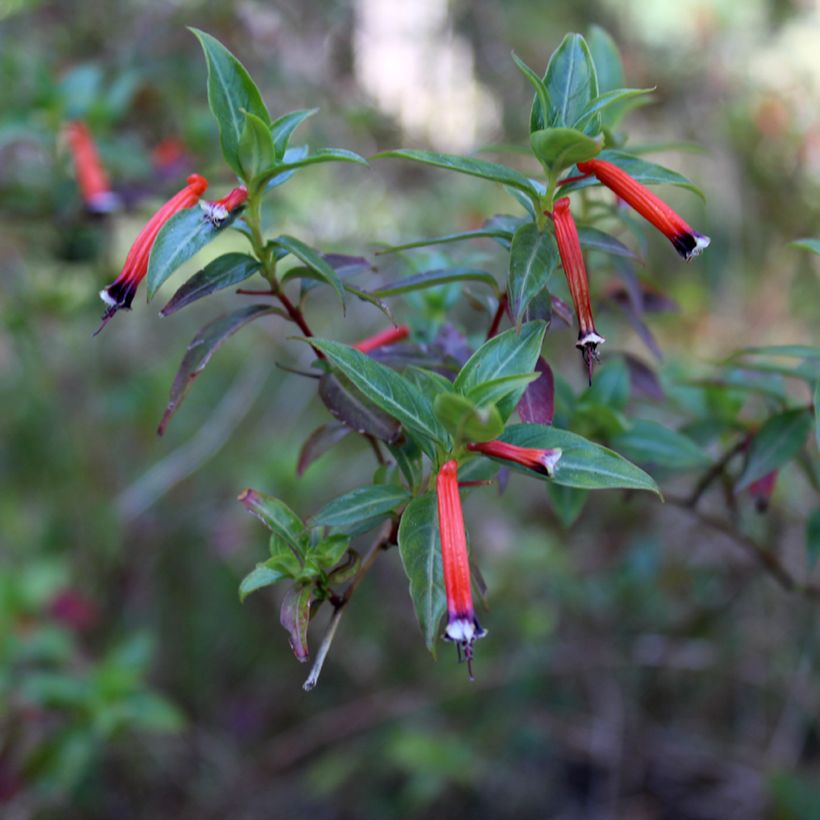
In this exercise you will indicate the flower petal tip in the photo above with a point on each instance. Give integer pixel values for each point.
(690, 245)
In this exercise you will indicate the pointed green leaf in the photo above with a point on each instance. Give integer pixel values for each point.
(466, 421)
(498, 389)
(389, 391)
(230, 91)
(349, 405)
(200, 350)
(435, 278)
(652, 443)
(222, 272)
(568, 502)
(479, 233)
(256, 151)
(537, 83)
(812, 245)
(280, 519)
(466, 165)
(778, 441)
(284, 126)
(420, 552)
(608, 65)
(583, 464)
(376, 501)
(314, 260)
(595, 240)
(294, 616)
(299, 157)
(260, 576)
(180, 238)
(509, 353)
(559, 148)
(533, 257)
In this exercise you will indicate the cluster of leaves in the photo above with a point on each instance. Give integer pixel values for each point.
(425, 403)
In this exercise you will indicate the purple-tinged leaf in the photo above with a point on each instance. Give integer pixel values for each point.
(275, 515)
(342, 263)
(295, 617)
(200, 350)
(226, 270)
(351, 408)
(642, 378)
(319, 442)
(537, 405)
(453, 344)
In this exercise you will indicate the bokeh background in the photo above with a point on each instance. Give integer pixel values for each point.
(638, 664)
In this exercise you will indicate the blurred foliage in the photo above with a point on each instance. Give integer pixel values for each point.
(640, 663)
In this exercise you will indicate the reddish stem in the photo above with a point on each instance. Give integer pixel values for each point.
(576, 178)
(502, 306)
(298, 318)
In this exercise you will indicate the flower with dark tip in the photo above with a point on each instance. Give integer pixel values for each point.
(688, 242)
(120, 293)
(533, 458)
(92, 178)
(384, 337)
(462, 626)
(217, 211)
(572, 260)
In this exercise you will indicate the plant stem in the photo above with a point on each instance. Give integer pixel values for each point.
(502, 306)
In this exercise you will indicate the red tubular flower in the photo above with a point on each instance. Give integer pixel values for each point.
(687, 242)
(572, 260)
(542, 461)
(120, 293)
(462, 626)
(384, 337)
(217, 211)
(91, 176)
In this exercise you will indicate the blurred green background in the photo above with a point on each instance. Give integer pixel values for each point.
(638, 664)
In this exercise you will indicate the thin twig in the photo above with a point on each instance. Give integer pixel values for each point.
(767, 560)
(386, 536)
(715, 471)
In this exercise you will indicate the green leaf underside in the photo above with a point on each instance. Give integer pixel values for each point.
(283, 127)
(420, 551)
(230, 91)
(180, 238)
(558, 148)
(533, 257)
(466, 165)
(479, 233)
(355, 411)
(651, 442)
(595, 240)
(256, 150)
(497, 389)
(583, 464)
(361, 504)
(319, 156)
(645, 172)
(277, 516)
(778, 441)
(260, 576)
(509, 353)
(229, 269)
(435, 278)
(202, 348)
(389, 391)
(314, 260)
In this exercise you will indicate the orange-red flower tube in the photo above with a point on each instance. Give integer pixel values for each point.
(217, 211)
(542, 461)
(572, 260)
(120, 293)
(688, 242)
(384, 337)
(92, 178)
(462, 626)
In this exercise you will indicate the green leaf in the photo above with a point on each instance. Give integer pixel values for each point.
(583, 464)
(813, 538)
(230, 91)
(509, 353)
(202, 348)
(260, 576)
(359, 505)
(349, 405)
(435, 278)
(256, 151)
(466, 165)
(498, 389)
(608, 66)
(537, 83)
(280, 173)
(559, 148)
(329, 551)
(571, 83)
(280, 519)
(647, 173)
(595, 240)
(533, 257)
(389, 391)
(777, 442)
(618, 98)
(222, 272)
(568, 502)
(294, 616)
(284, 126)
(788, 351)
(479, 233)
(420, 552)
(464, 420)
(180, 238)
(611, 386)
(654, 443)
(812, 245)
(314, 260)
